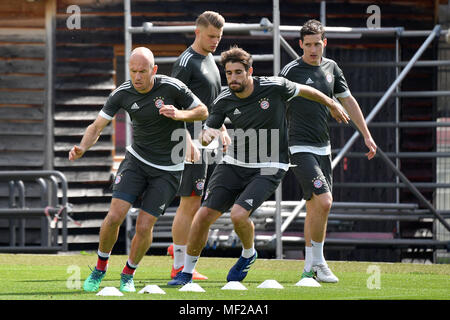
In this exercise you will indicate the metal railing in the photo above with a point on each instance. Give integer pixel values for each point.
(51, 211)
(392, 91)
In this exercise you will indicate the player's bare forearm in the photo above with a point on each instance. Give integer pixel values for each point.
(88, 140)
(226, 139)
(313, 94)
(351, 105)
(198, 113)
(90, 137)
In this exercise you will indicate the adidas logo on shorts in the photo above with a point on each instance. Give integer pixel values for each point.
(250, 202)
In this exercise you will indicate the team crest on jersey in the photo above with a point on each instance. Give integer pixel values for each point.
(159, 102)
(329, 77)
(118, 179)
(264, 103)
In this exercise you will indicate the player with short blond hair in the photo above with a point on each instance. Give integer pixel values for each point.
(198, 70)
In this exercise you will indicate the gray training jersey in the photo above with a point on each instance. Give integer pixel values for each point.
(152, 133)
(201, 75)
(308, 120)
(260, 130)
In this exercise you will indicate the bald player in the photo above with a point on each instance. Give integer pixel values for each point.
(158, 105)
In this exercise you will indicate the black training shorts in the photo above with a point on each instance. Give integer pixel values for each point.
(232, 184)
(313, 173)
(144, 186)
(193, 180)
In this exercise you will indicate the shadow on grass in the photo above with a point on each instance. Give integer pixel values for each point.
(43, 293)
(42, 280)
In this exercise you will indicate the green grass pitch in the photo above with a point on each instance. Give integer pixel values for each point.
(60, 277)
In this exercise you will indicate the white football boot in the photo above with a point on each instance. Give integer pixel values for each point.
(324, 274)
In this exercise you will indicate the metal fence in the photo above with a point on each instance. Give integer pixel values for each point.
(442, 194)
(50, 209)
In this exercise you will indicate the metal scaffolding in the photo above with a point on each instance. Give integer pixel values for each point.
(52, 232)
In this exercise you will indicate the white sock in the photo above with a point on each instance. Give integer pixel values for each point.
(248, 253)
(104, 255)
(189, 263)
(179, 252)
(308, 259)
(317, 253)
(131, 264)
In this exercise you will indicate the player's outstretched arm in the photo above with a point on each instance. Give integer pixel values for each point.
(337, 112)
(351, 105)
(90, 137)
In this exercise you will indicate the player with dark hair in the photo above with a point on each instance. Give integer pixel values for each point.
(253, 168)
(198, 70)
(158, 106)
(309, 140)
